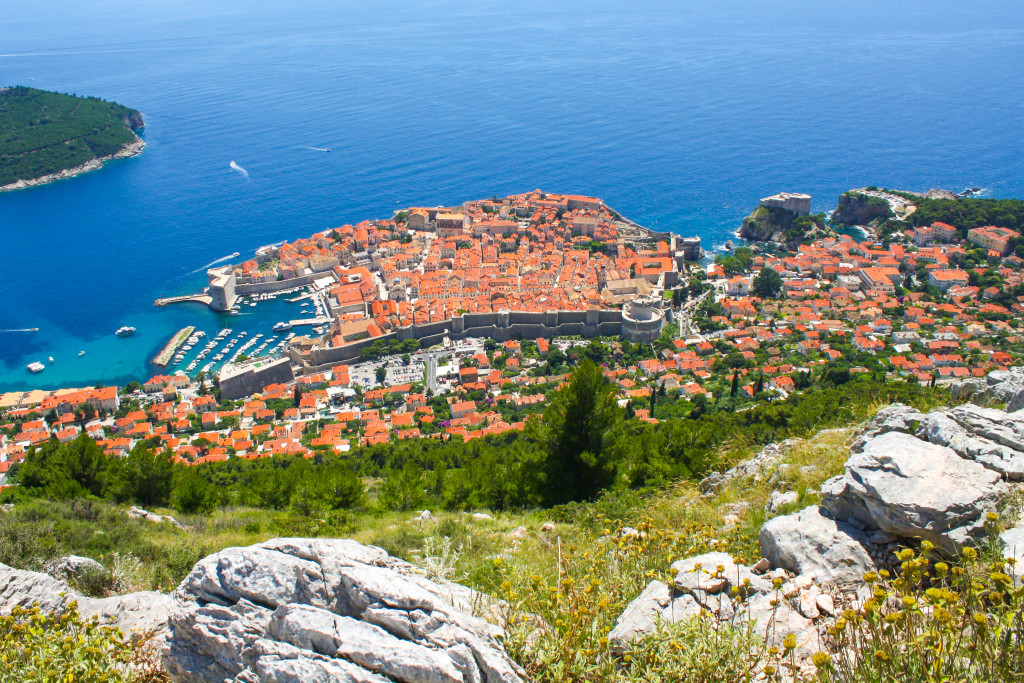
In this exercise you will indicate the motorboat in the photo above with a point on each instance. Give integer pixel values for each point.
(36, 366)
(125, 331)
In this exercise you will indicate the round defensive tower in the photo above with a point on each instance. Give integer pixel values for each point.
(642, 319)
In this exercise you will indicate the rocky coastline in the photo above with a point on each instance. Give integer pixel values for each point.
(130, 150)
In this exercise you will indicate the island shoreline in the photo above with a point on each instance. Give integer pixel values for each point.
(132, 149)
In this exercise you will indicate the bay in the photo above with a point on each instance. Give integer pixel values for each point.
(678, 114)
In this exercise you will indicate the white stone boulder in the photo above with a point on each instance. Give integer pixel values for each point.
(73, 566)
(22, 588)
(139, 513)
(915, 490)
(780, 498)
(641, 616)
(810, 541)
(895, 417)
(328, 609)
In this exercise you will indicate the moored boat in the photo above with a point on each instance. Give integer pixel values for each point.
(36, 366)
(125, 331)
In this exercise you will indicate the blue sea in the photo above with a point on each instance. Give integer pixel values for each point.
(679, 114)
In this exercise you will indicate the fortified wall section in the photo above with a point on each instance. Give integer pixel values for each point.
(278, 285)
(240, 381)
(501, 327)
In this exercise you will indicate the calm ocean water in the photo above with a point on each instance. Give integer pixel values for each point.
(679, 114)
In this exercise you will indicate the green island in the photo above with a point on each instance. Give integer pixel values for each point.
(47, 136)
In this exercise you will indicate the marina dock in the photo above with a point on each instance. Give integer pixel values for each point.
(164, 357)
(198, 298)
(310, 321)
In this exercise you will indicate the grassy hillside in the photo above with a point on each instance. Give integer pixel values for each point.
(46, 132)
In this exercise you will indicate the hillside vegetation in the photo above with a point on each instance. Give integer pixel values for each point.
(555, 542)
(45, 132)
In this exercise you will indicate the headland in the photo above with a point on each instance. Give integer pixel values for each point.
(52, 136)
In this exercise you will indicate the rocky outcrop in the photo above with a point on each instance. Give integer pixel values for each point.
(1000, 387)
(73, 566)
(21, 588)
(324, 609)
(855, 208)
(133, 120)
(146, 611)
(811, 542)
(913, 489)
(766, 224)
(990, 437)
(912, 476)
(139, 513)
(717, 586)
(761, 465)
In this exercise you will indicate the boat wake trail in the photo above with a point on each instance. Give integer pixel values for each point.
(213, 263)
(245, 174)
(318, 149)
(27, 329)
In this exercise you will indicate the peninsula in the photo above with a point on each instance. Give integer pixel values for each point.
(47, 136)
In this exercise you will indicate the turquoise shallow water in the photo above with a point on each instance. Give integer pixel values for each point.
(679, 114)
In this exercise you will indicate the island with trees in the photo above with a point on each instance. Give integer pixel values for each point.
(47, 136)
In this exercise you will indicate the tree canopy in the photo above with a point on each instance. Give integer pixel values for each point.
(46, 132)
(767, 283)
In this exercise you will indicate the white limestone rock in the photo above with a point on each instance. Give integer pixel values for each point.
(1012, 541)
(136, 613)
(144, 612)
(22, 588)
(139, 513)
(323, 608)
(780, 498)
(810, 541)
(892, 418)
(72, 566)
(914, 489)
(641, 615)
(775, 622)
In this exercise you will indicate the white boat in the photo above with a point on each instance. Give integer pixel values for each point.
(125, 331)
(50, 359)
(81, 353)
(36, 367)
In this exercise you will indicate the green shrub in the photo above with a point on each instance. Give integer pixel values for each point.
(697, 650)
(46, 648)
(932, 622)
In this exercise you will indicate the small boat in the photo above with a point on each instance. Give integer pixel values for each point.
(81, 353)
(125, 331)
(36, 367)
(50, 358)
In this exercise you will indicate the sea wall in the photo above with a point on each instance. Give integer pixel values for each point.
(278, 285)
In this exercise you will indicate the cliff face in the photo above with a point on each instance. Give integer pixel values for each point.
(855, 208)
(764, 225)
(133, 120)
